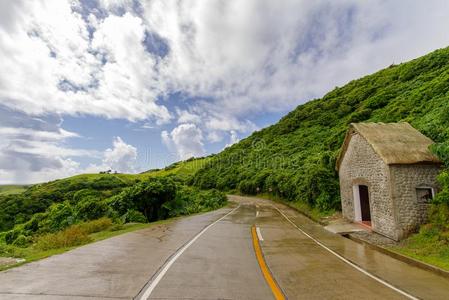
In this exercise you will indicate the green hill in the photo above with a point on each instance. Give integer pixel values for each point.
(19, 204)
(53, 217)
(295, 158)
(12, 189)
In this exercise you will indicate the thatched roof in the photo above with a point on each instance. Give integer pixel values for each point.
(395, 143)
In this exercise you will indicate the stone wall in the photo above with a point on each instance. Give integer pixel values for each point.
(405, 179)
(361, 165)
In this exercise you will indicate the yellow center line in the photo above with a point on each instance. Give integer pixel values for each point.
(277, 293)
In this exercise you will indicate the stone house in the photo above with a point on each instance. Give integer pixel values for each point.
(387, 177)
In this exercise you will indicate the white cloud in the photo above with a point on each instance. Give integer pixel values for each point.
(185, 116)
(52, 64)
(239, 58)
(122, 157)
(39, 134)
(233, 138)
(114, 4)
(34, 150)
(186, 140)
(232, 60)
(264, 56)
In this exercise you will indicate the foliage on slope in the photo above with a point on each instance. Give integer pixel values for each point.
(295, 158)
(156, 198)
(20, 208)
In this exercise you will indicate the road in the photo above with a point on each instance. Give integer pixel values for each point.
(212, 256)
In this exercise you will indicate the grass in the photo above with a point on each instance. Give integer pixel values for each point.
(186, 168)
(12, 189)
(75, 235)
(427, 247)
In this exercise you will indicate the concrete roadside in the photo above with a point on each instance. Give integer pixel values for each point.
(115, 268)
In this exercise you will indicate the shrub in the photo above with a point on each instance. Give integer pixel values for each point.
(145, 197)
(21, 241)
(95, 226)
(35, 223)
(439, 216)
(12, 235)
(133, 216)
(59, 216)
(72, 236)
(91, 208)
(212, 199)
(81, 194)
(248, 187)
(11, 251)
(191, 200)
(116, 227)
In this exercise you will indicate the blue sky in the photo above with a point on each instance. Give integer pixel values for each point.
(128, 85)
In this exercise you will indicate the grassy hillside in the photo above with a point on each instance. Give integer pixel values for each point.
(295, 158)
(17, 208)
(12, 189)
(185, 168)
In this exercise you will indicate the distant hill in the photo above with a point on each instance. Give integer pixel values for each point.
(187, 167)
(12, 189)
(295, 158)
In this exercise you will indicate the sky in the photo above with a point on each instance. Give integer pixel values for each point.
(128, 85)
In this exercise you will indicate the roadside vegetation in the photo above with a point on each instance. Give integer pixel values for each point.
(55, 216)
(294, 160)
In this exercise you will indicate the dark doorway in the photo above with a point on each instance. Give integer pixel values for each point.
(364, 203)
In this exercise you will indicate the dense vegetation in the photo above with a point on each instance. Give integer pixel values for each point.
(64, 212)
(295, 158)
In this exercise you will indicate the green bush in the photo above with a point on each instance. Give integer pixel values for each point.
(90, 208)
(133, 216)
(439, 216)
(35, 223)
(21, 241)
(248, 187)
(191, 200)
(95, 225)
(12, 235)
(69, 237)
(58, 216)
(146, 197)
(84, 193)
(20, 208)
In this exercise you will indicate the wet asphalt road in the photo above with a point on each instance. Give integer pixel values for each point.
(221, 263)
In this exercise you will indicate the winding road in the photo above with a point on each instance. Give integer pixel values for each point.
(255, 249)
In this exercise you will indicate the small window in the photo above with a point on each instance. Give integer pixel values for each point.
(425, 195)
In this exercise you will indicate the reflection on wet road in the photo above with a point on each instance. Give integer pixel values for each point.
(212, 256)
